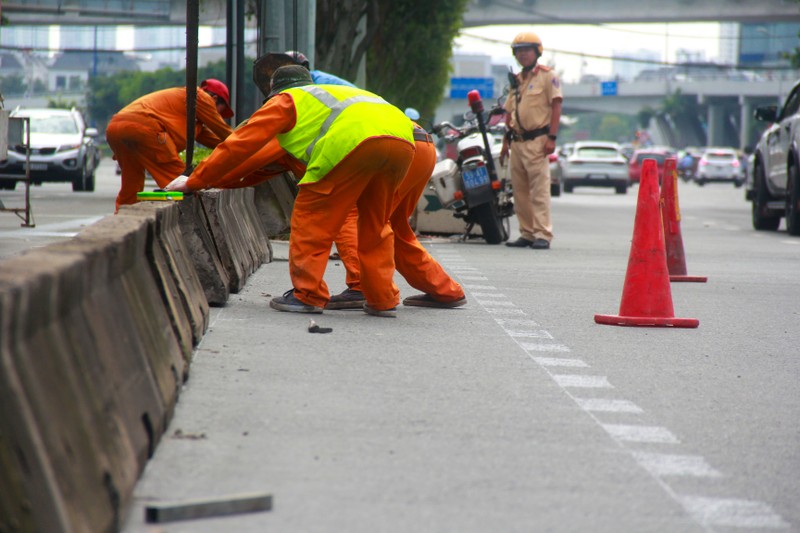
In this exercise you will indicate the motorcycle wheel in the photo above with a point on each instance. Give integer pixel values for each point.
(486, 217)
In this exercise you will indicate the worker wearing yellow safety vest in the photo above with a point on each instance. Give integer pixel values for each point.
(349, 147)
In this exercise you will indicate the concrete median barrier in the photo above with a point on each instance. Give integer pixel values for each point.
(91, 372)
(96, 338)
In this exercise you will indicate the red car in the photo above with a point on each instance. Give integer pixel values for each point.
(635, 164)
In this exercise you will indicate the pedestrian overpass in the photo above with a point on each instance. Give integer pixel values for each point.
(479, 12)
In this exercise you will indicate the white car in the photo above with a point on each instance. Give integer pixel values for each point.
(595, 164)
(62, 149)
(720, 164)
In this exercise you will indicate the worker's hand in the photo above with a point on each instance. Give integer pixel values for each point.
(178, 184)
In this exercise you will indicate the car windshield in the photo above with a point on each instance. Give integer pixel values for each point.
(658, 157)
(597, 152)
(53, 124)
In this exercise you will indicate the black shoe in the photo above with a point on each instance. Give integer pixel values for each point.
(522, 242)
(289, 302)
(426, 300)
(540, 244)
(347, 299)
(385, 313)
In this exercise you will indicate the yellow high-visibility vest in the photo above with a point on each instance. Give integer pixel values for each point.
(332, 120)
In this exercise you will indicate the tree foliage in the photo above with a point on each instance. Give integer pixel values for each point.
(407, 45)
(109, 94)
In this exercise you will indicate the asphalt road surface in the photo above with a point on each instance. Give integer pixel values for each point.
(514, 413)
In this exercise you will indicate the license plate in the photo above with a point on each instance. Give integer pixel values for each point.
(38, 166)
(475, 177)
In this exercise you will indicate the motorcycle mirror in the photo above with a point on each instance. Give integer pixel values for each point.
(411, 113)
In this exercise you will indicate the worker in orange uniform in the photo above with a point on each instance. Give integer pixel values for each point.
(350, 148)
(533, 114)
(412, 260)
(150, 133)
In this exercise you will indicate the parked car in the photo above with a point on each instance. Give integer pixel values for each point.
(555, 174)
(595, 164)
(62, 149)
(660, 154)
(776, 167)
(719, 164)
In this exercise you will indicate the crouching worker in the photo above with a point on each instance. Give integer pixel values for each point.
(412, 260)
(350, 148)
(150, 133)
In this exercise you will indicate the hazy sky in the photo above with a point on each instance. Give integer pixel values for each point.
(563, 44)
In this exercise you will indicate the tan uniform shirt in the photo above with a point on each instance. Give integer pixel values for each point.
(538, 90)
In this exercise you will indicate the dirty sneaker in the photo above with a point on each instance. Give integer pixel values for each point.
(288, 302)
(385, 313)
(426, 300)
(347, 299)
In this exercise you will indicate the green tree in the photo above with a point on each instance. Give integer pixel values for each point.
(109, 94)
(407, 45)
(12, 84)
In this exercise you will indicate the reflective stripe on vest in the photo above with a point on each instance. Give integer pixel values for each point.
(332, 120)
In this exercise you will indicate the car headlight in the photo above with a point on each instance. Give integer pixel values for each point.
(68, 147)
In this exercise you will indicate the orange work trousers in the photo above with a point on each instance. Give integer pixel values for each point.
(140, 143)
(412, 260)
(365, 180)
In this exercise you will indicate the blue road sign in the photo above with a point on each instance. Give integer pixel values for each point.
(608, 88)
(459, 87)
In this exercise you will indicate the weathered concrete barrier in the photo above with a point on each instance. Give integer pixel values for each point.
(91, 369)
(96, 338)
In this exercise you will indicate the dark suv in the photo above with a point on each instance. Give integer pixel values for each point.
(62, 149)
(774, 188)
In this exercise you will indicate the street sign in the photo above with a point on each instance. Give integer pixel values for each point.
(608, 88)
(459, 87)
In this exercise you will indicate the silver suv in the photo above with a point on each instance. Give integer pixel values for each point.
(774, 188)
(62, 149)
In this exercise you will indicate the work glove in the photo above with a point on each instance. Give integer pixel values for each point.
(178, 184)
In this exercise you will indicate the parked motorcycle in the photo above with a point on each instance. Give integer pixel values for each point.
(470, 185)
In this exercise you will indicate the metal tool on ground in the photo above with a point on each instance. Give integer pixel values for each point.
(671, 218)
(646, 295)
(193, 509)
(314, 328)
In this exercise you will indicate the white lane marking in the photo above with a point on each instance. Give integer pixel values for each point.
(487, 295)
(494, 303)
(581, 381)
(463, 269)
(663, 464)
(503, 311)
(705, 511)
(636, 433)
(732, 512)
(604, 405)
(543, 347)
(519, 322)
(533, 334)
(558, 361)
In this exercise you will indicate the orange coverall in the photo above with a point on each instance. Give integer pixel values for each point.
(150, 132)
(412, 260)
(366, 178)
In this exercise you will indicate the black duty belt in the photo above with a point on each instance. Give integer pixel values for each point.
(422, 136)
(529, 135)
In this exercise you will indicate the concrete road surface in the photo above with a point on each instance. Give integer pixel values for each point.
(514, 413)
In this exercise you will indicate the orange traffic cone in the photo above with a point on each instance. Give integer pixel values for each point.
(646, 296)
(671, 217)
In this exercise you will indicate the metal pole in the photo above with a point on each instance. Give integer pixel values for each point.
(192, 23)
